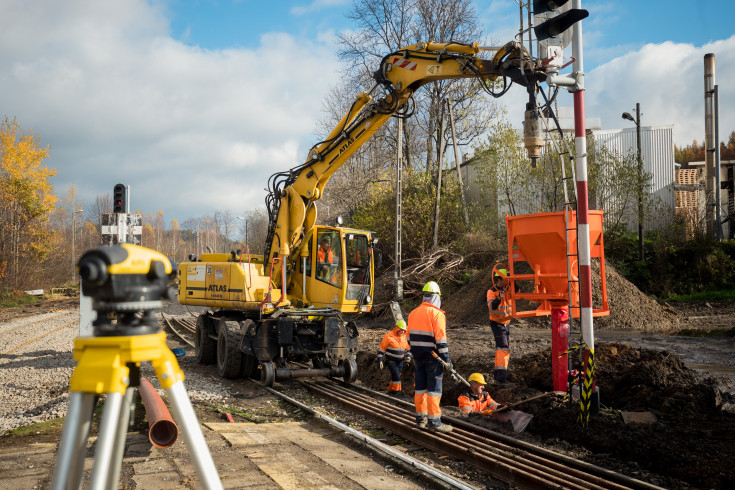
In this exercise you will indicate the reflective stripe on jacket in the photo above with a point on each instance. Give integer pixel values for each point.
(502, 310)
(393, 346)
(469, 402)
(427, 332)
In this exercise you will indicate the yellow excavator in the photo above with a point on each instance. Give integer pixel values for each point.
(282, 312)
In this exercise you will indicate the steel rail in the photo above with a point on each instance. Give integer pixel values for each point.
(383, 448)
(522, 464)
(562, 459)
(75, 322)
(444, 444)
(169, 321)
(503, 453)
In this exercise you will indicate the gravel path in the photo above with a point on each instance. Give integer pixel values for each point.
(36, 362)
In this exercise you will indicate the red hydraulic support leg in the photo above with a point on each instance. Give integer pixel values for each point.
(559, 345)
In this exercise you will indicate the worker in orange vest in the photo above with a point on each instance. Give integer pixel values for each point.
(476, 401)
(427, 335)
(498, 302)
(394, 350)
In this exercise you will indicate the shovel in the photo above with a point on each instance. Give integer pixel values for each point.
(519, 419)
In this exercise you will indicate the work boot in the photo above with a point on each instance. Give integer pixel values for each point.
(422, 423)
(444, 428)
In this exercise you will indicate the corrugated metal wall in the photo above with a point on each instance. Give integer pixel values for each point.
(657, 150)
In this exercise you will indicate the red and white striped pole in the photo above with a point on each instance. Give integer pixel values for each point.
(583, 228)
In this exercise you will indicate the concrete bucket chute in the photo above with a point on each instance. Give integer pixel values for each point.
(540, 240)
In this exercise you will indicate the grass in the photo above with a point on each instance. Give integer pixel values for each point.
(38, 428)
(11, 300)
(720, 295)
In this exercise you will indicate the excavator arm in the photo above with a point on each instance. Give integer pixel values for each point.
(292, 195)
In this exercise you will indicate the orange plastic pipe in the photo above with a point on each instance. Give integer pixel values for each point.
(162, 431)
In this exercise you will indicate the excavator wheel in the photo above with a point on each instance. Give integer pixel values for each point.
(204, 347)
(229, 356)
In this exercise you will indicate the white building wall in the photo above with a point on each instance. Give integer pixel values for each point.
(657, 151)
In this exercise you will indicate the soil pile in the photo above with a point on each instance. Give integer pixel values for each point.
(692, 443)
(629, 307)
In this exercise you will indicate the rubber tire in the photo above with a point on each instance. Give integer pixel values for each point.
(267, 373)
(229, 356)
(204, 346)
(350, 375)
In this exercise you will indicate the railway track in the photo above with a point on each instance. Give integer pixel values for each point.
(516, 462)
(508, 459)
(16, 336)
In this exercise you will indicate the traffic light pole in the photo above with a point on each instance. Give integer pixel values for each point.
(583, 228)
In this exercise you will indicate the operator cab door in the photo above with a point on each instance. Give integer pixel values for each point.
(325, 269)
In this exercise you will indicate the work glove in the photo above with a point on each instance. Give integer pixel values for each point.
(450, 365)
(408, 359)
(380, 363)
(487, 412)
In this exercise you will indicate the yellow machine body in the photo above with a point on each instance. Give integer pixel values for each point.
(241, 282)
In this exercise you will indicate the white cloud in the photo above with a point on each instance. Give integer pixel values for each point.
(191, 130)
(668, 81)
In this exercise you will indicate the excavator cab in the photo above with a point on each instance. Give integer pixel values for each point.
(335, 270)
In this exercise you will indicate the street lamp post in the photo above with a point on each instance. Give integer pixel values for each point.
(73, 248)
(639, 187)
(246, 229)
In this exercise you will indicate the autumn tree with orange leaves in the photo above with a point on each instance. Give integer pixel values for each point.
(27, 200)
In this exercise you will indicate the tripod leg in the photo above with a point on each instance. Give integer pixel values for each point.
(193, 437)
(70, 460)
(120, 437)
(106, 441)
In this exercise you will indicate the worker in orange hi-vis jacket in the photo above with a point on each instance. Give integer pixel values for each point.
(393, 351)
(476, 401)
(498, 302)
(427, 335)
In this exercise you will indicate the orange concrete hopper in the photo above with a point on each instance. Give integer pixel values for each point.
(541, 240)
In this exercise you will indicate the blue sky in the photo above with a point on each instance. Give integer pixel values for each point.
(207, 98)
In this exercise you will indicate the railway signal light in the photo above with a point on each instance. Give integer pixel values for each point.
(118, 198)
(552, 18)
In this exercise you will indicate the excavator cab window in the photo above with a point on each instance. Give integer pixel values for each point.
(328, 258)
(358, 255)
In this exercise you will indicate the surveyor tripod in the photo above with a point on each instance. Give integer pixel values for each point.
(128, 281)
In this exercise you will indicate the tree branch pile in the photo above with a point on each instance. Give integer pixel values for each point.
(440, 265)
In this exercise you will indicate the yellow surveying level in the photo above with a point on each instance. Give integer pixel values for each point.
(128, 281)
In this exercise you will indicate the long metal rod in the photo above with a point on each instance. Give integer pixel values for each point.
(465, 213)
(439, 158)
(399, 213)
(718, 196)
(383, 448)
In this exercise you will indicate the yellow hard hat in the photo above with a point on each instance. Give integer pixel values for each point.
(401, 324)
(501, 273)
(477, 377)
(432, 287)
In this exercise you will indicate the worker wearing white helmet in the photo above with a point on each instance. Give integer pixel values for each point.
(427, 335)
(394, 351)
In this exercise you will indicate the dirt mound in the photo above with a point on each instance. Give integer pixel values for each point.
(630, 308)
(691, 444)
